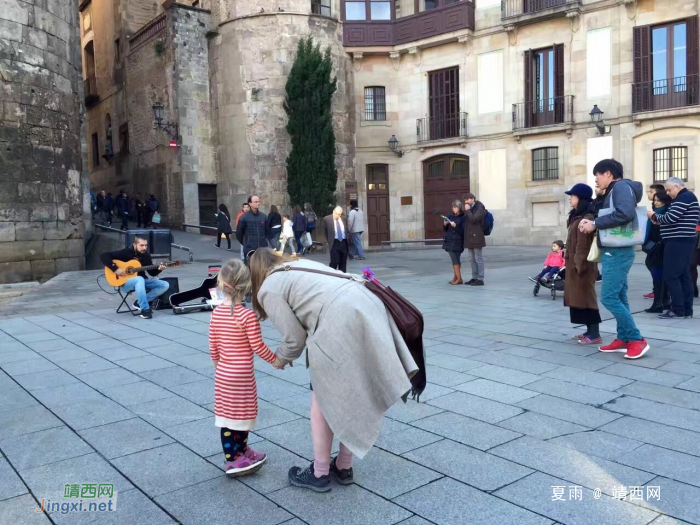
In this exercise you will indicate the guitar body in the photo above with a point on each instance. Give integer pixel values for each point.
(131, 268)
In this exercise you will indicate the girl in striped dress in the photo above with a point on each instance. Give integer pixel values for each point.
(234, 335)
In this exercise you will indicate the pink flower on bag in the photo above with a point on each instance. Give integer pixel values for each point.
(368, 274)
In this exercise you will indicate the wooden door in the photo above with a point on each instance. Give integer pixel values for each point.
(207, 206)
(378, 218)
(443, 93)
(445, 179)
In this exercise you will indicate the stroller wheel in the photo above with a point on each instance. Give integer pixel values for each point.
(536, 290)
(554, 294)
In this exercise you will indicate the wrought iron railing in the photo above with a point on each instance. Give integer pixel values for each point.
(521, 7)
(668, 93)
(318, 8)
(545, 112)
(443, 127)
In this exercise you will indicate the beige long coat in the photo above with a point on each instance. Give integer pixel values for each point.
(358, 362)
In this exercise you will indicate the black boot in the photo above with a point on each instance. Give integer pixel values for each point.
(659, 305)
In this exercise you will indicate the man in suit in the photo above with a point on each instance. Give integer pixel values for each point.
(337, 236)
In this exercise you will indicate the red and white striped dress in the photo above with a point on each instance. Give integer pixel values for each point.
(232, 341)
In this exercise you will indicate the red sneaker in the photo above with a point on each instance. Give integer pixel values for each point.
(637, 349)
(615, 346)
(649, 295)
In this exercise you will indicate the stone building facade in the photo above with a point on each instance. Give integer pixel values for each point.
(41, 191)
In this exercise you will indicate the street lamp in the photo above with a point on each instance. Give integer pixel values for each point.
(394, 145)
(169, 127)
(597, 119)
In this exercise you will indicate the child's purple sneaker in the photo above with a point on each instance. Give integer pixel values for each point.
(255, 456)
(243, 466)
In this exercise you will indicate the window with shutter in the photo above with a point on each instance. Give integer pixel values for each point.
(641, 89)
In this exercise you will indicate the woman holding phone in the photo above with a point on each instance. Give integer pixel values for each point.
(454, 239)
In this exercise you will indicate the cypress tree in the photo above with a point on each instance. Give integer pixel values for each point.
(311, 172)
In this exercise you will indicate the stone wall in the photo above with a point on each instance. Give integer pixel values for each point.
(41, 195)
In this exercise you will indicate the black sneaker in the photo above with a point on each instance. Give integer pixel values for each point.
(534, 279)
(136, 307)
(654, 310)
(670, 314)
(307, 480)
(478, 282)
(155, 304)
(217, 246)
(470, 282)
(342, 476)
(146, 314)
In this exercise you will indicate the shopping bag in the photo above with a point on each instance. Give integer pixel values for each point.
(156, 218)
(306, 240)
(630, 234)
(595, 255)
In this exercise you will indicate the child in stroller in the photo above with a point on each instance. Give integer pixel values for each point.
(552, 275)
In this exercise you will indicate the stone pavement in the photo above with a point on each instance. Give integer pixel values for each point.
(513, 409)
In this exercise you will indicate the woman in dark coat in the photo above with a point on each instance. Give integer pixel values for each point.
(579, 282)
(223, 226)
(274, 222)
(299, 227)
(654, 249)
(454, 239)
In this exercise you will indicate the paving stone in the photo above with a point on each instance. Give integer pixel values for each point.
(480, 469)
(103, 343)
(681, 368)
(584, 363)
(93, 413)
(270, 415)
(448, 502)
(86, 365)
(10, 483)
(540, 426)
(52, 345)
(48, 481)
(405, 440)
(455, 350)
(61, 441)
(476, 407)
(22, 510)
(294, 436)
(195, 361)
(659, 412)
(656, 434)
(46, 379)
(675, 499)
(692, 384)
(67, 395)
(535, 493)
(598, 443)
(352, 505)
(172, 350)
(663, 394)
(664, 462)
(667, 520)
(415, 520)
(16, 398)
(142, 364)
(433, 391)
(136, 393)
(298, 375)
(522, 351)
(200, 392)
(411, 411)
(504, 375)
(450, 362)
(202, 503)
(495, 391)
(466, 430)
(166, 469)
(652, 360)
(120, 353)
(592, 379)
(38, 336)
(174, 375)
(201, 436)
(109, 378)
(26, 420)
(169, 412)
(448, 378)
(647, 375)
(299, 404)
(124, 437)
(570, 464)
(7, 383)
(34, 365)
(568, 411)
(271, 389)
(572, 391)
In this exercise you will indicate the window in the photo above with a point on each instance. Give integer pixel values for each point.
(321, 7)
(368, 10)
(670, 162)
(95, 151)
(544, 86)
(668, 56)
(545, 164)
(117, 51)
(375, 103)
(124, 138)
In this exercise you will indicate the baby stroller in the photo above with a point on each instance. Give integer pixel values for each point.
(554, 284)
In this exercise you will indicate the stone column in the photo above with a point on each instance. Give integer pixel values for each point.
(41, 196)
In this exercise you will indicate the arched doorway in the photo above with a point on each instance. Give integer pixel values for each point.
(445, 178)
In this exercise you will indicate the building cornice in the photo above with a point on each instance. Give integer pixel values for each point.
(279, 13)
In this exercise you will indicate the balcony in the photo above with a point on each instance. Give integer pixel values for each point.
(442, 127)
(664, 94)
(518, 12)
(541, 113)
(438, 18)
(90, 89)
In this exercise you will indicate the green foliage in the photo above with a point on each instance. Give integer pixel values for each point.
(160, 47)
(311, 172)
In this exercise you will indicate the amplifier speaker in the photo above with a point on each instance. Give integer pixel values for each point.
(174, 288)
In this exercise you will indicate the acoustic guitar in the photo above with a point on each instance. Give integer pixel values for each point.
(132, 268)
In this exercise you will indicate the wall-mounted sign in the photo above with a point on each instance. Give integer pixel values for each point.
(172, 144)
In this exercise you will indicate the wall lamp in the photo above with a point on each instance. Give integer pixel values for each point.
(597, 119)
(160, 123)
(394, 146)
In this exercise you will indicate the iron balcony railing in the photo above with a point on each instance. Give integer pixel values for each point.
(668, 93)
(521, 7)
(318, 8)
(443, 127)
(545, 112)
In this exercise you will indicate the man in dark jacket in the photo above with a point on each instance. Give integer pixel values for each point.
(147, 289)
(107, 208)
(619, 209)
(152, 207)
(336, 230)
(123, 207)
(252, 230)
(678, 233)
(474, 239)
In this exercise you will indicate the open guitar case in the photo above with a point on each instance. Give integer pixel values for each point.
(195, 300)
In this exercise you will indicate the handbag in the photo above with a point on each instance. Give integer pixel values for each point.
(407, 317)
(648, 247)
(595, 254)
(156, 218)
(630, 234)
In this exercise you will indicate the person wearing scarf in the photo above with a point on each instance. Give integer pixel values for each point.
(654, 248)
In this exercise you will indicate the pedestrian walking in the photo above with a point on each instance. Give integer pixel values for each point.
(453, 242)
(244, 209)
(579, 283)
(274, 220)
(680, 240)
(124, 210)
(654, 248)
(140, 206)
(474, 238)
(356, 226)
(252, 230)
(234, 337)
(223, 226)
(311, 220)
(152, 207)
(617, 262)
(287, 235)
(299, 225)
(337, 238)
(108, 206)
(358, 362)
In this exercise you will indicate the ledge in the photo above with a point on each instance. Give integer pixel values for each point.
(568, 127)
(656, 114)
(375, 123)
(429, 144)
(277, 13)
(570, 9)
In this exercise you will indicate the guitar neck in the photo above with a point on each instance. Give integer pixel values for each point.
(152, 267)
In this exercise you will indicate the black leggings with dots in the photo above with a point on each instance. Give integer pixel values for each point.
(235, 443)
